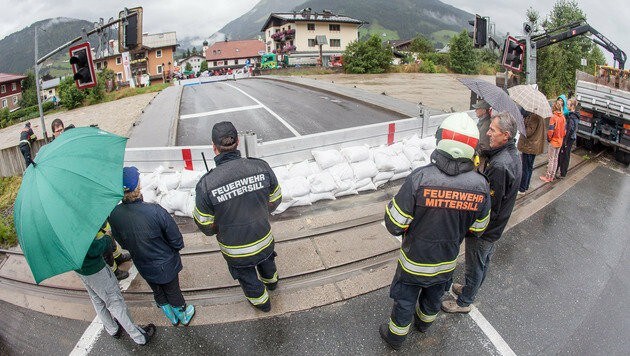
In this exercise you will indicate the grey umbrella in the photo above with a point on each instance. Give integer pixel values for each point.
(497, 98)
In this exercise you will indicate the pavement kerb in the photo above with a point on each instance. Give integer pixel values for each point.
(365, 101)
(174, 122)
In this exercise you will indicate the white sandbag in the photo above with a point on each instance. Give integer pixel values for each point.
(414, 141)
(169, 181)
(321, 196)
(302, 201)
(175, 200)
(428, 143)
(152, 179)
(351, 191)
(401, 163)
(327, 158)
(400, 175)
(360, 183)
(414, 153)
(418, 164)
(396, 147)
(369, 186)
(429, 152)
(383, 157)
(356, 153)
(189, 207)
(189, 179)
(283, 206)
(149, 195)
(383, 176)
(341, 171)
(294, 188)
(378, 183)
(282, 172)
(364, 169)
(303, 169)
(345, 187)
(322, 182)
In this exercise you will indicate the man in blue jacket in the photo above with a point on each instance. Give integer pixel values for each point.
(154, 241)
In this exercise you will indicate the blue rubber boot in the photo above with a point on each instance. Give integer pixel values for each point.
(170, 314)
(184, 314)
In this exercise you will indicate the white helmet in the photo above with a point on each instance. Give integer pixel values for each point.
(458, 136)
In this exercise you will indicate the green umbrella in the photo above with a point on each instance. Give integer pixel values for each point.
(66, 196)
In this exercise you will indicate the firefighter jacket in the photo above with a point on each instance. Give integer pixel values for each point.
(234, 201)
(503, 169)
(434, 209)
(27, 136)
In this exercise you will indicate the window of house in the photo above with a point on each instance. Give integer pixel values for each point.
(236, 61)
(15, 100)
(310, 26)
(311, 42)
(3, 88)
(333, 27)
(269, 33)
(277, 30)
(158, 53)
(118, 61)
(159, 69)
(98, 65)
(119, 77)
(13, 86)
(268, 49)
(4, 103)
(289, 27)
(335, 43)
(214, 63)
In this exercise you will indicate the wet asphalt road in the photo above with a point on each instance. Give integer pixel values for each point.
(305, 110)
(557, 284)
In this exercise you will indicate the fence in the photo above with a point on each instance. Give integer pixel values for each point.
(12, 161)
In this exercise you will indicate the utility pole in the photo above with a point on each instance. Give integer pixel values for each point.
(39, 96)
(530, 52)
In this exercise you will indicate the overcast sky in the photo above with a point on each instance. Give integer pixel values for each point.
(203, 17)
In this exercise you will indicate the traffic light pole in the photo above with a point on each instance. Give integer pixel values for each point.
(530, 52)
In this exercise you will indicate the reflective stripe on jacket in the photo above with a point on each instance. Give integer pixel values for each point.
(233, 201)
(434, 211)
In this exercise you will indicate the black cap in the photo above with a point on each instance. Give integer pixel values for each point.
(28, 124)
(222, 130)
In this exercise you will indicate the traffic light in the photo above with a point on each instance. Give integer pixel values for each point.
(513, 54)
(130, 30)
(82, 65)
(479, 33)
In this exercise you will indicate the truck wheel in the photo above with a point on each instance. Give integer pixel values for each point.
(622, 156)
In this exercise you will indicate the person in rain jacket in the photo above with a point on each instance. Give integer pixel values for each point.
(555, 137)
(27, 136)
(152, 237)
(570, 136)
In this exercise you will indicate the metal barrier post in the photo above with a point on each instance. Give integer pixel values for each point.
(251, 144)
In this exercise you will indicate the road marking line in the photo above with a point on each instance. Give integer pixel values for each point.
(268, 110)
(222, 111)
(491, 333)
(92, 333)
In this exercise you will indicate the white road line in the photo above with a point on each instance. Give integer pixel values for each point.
(268, 110)
(491, 333)
(92, 333)
(222, 111)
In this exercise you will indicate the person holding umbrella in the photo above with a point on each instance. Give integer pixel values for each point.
(102, 287)
(152, 237)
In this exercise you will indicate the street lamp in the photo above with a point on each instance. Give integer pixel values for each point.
(37, 87)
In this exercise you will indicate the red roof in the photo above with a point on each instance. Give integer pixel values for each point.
(5, 77)
(234, 49)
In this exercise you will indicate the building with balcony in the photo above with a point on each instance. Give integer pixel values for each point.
(296, 34)
(153, 60)
(10, 91)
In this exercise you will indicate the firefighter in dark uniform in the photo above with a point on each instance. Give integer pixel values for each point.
(434, 209)
(27, 136)
(233, 201)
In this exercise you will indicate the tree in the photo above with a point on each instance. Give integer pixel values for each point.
(367, 56)
(421, 44)
(187, 53)
(69, 95)
(204, 66)
(557, 63)
(29, 90)
(188, 67)
(463, 58)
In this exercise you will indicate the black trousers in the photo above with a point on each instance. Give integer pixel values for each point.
(412, 298)
(168, 293)
(26, 152)
(564, 156)
(247, 277)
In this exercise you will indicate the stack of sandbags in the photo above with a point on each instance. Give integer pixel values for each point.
(331, 161)
(413, 150)
(363, 167)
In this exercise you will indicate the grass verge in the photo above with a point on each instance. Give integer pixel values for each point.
(126, 92)
(9, 187)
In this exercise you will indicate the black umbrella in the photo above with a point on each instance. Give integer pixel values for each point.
(497, 98)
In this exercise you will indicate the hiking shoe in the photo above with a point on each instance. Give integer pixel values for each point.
(271, 286)
(451, 306)
(148, 331)
(123, 257)
(388, 337)
(121, 274)
(265, 307)
(457, 288)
